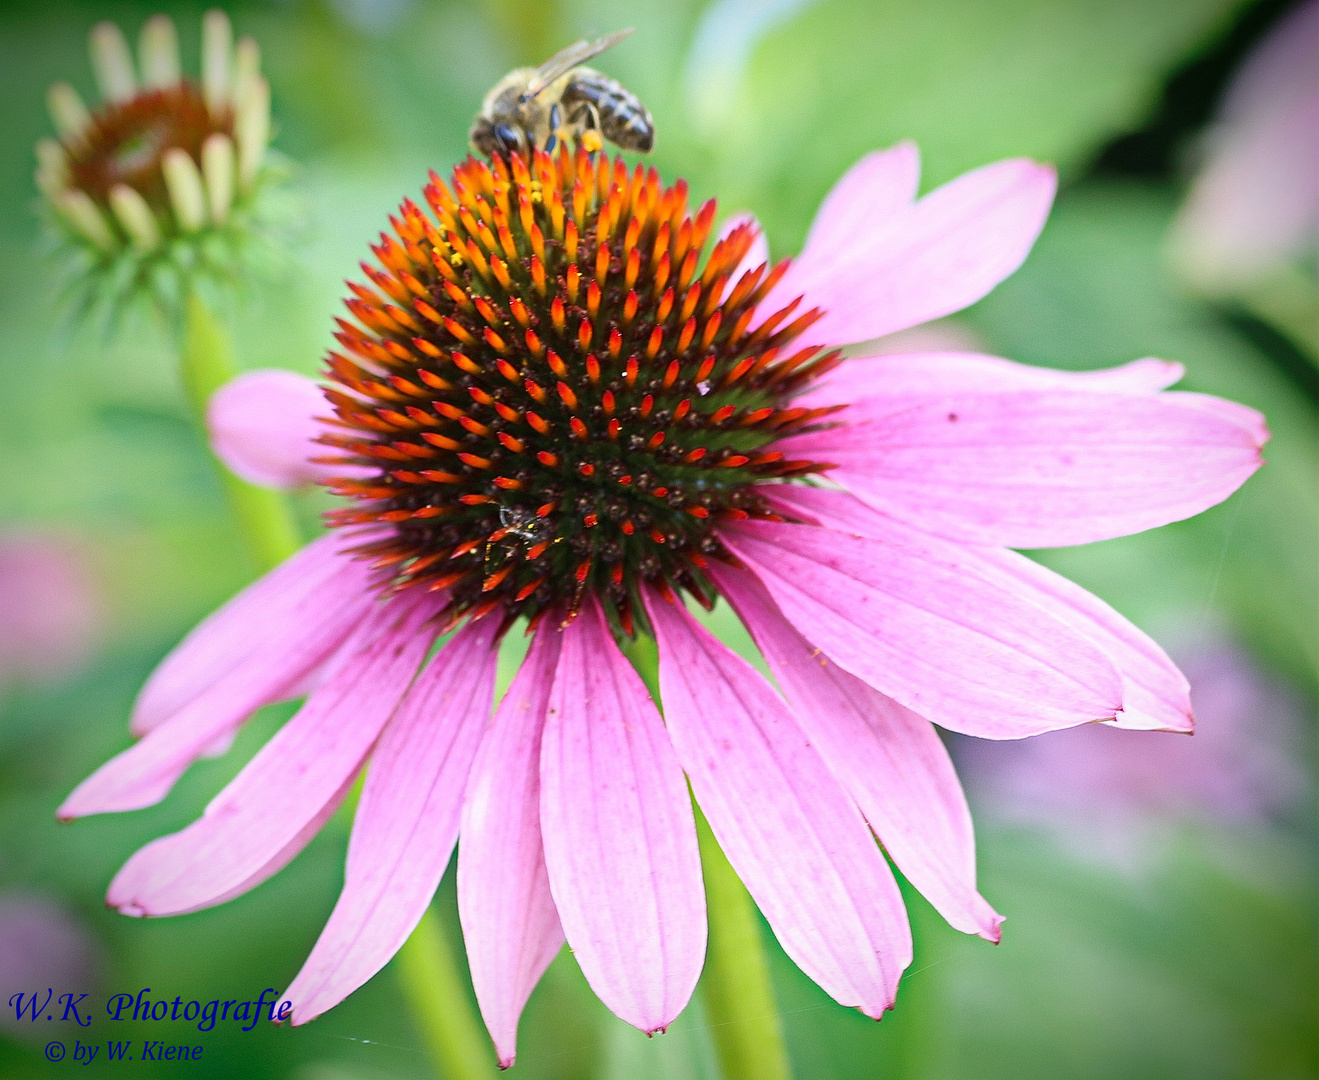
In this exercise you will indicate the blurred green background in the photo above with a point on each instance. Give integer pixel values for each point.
(1189, 953)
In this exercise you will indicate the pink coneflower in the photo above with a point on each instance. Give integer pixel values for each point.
(51, 615)
(42, 945)
(572, 418)
(1255, 203)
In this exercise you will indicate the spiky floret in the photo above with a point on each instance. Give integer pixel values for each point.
(559, 393)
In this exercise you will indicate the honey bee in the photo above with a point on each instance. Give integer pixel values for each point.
(560, 100)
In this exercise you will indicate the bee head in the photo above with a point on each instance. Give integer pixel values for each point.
(500, 139)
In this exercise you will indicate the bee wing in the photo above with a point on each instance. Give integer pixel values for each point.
(568, 58)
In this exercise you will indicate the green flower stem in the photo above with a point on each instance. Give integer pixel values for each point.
(739, 997)
(440, 1004)
(206, 362)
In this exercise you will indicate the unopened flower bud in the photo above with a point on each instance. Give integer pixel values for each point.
(144, 184)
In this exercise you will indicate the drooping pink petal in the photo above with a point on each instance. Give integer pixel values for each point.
(1155, 694)
(757, 254)
(975, 373)
(1232, 412)
(789, 830)
(210, 685)
(509, 922)
(406, 824)
(281, 625)
(620, 840)
(932, 258)
(262, 426)
(1033, 469)
(932, 626)
(889, 760)
(263, 817)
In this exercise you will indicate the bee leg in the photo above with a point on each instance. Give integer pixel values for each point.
(556, 120)
(591, 137)
(506, 137)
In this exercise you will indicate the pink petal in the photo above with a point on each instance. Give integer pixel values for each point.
(262, 426)
(873, 191)
(889, 760)
(263, 627)
(406, 824)
(243, 657)
(620, 840)
(757, 254)
(975, 373)
(932, 626)
(931, 259)
(1036, 468)
(272, 808)
(509, 922)
(790, 832)
(1230, 411)
(1155, 694)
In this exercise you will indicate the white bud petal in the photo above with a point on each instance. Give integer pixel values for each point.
(158, 52)
(218, 169)
(135, 216)
(77, 208)
(67, 111)
(112, 62)
(252, 127)
(184, 181)
(52, 168)
(50, 184)
(51, 156)
(217, 52)
(247, 69)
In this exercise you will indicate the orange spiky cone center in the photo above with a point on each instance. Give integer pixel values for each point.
(559, 394)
